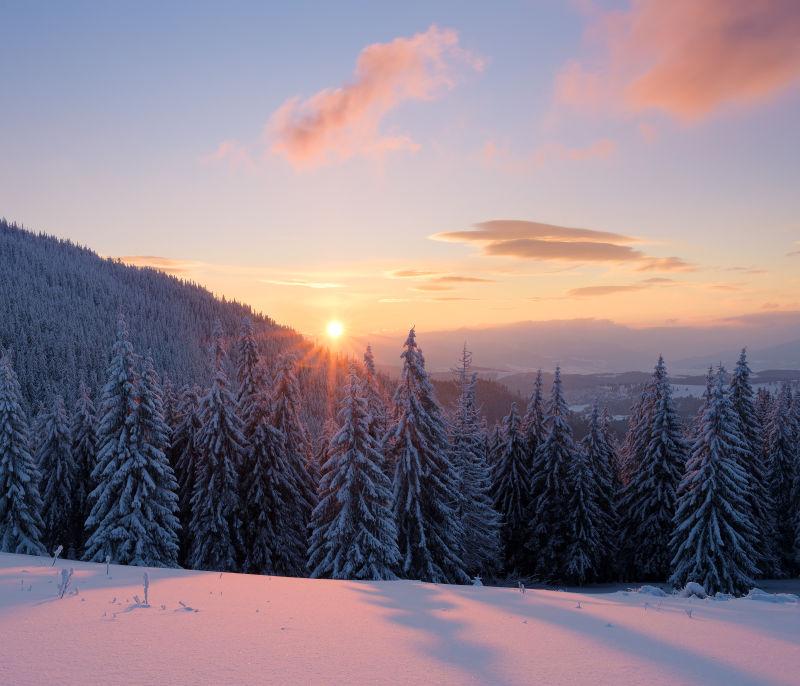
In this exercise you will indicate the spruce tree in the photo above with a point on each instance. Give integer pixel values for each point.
(353, 531)
(185, 452)
(131, 519)
(425, 484)
(376, 401)
(297, 455)
(170, 402)
(552, 486)
(587, 546)
(763, 405)
(249, 398)
(274, 534)
(713, 528)
(21, 525)
(599, 453)
(533, 428)
(647, 505)
(637, 435)
(287, 417)
(759, 497)
(58, 471)
(160, 487)
(495, 438)
(216, 509)
(84, 454)
(111, 500)
(781, 449)
(511, 490)
(479, 520)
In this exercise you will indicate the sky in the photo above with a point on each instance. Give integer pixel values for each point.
(442, 164)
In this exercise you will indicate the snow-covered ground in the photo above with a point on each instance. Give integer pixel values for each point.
(211, 628)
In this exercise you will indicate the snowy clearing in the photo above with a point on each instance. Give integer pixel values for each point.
(212, 628)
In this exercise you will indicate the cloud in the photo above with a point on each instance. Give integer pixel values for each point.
(462, 279)
(592, 291)
(537, 241)
(339, 123)
(659, 280)
(724, 287)
(507, 229)
(794, 253)
(685, 57)
(666, 264)
(453, 299)
(302, 283)
(410, 273)
(163, 264)
(232, 153)
(747, 270)
(432, 287)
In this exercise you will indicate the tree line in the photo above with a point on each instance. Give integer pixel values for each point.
(228, 478)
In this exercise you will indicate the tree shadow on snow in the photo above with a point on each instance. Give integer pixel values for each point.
(427, 611)
(682, 661)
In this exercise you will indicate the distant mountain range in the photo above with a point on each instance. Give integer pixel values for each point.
(592, 346)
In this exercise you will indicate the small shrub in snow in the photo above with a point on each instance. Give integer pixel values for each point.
(63, 585)
(693, 589)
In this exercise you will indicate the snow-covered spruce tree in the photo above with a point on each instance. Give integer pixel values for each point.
(376, 401)
(353, 531)
(131, 516)
(551, 490)
(597, 450)
(511, 491)
(479, 520)
(533, 428)
(637, 435)
(58, 485)
(647, 504)
(763, 405)
(20, 504)
(693, 430)
(713, 528)
(274, 535)
(169, 400)
(249, 397)
(107, 525)
(84, 454)
(286, 417)
(783, 474)
(184, 451)
(216, 508)
(759, 496)
(160, 488)
(494, 445)
(587, 547)
(425, 483)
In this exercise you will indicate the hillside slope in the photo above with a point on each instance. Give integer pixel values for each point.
(211, 628)
(60, 302)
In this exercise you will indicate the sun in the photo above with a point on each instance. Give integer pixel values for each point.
(334, 329)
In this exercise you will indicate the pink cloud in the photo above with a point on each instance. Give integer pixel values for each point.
(340, 123)
(232, 153)
(686, 58)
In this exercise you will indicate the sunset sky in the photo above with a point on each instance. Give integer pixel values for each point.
(442, 164)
